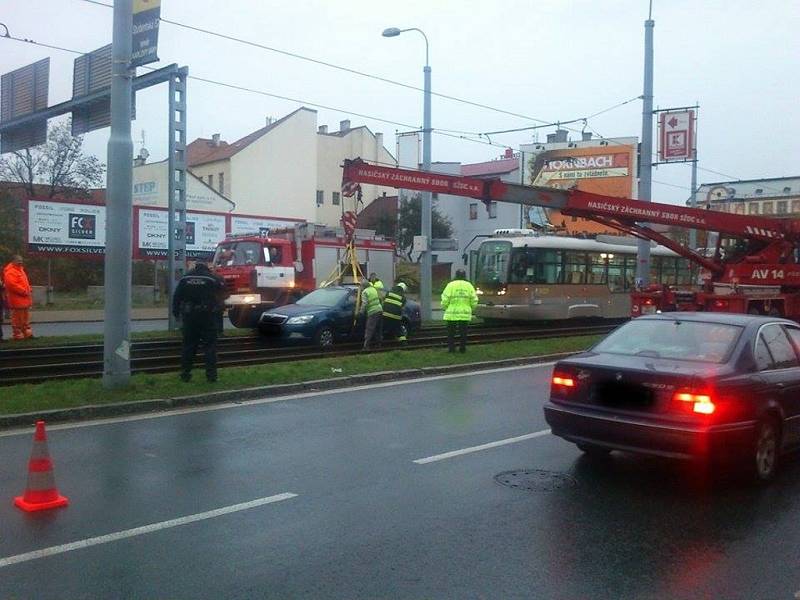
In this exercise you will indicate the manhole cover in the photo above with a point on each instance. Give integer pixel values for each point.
(535, 480)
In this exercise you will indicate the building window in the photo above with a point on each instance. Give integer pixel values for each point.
(320, 197)
(787, 189)
(222, 183)
(766, 208)
(783, 207)
(335, 198)
(759, 191)
(492, 210)
(796, 206)
(739, 208)
(211, 181)
(752, 208)
(473, 212)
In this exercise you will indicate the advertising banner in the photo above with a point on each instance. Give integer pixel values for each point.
(676, 141)
(258, 225)
(203, 232)
(66, 228)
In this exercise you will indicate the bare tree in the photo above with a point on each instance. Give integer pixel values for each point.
(58, 163)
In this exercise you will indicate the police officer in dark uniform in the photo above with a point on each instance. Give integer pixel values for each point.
(198, 298)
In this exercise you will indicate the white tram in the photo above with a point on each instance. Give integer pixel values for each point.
(524, 276)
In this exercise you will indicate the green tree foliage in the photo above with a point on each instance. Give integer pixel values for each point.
(410, 224)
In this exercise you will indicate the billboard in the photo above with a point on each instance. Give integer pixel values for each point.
(676, 139)
(608, 169)
(203, 232)
(260, 225)
(66, 228)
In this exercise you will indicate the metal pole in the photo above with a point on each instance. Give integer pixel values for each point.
(425, 286)
(116, 333)
(692, 200)
(646, 153)
(48, 298)
(176, 187)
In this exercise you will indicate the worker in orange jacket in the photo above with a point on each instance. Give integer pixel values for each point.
(19, 297)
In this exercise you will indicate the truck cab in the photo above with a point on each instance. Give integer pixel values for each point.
(259, 274)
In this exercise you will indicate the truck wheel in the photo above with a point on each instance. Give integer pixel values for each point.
(324, 337)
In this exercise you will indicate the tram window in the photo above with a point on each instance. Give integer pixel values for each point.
(547, 266)
(616, 273)
(493, 259)
(574, 267)
(597, 268)
(630, 272)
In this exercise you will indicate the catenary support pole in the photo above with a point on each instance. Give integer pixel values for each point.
(692, 199)
(426, 275)
(646, 152)
(176, 186)
(116, 333)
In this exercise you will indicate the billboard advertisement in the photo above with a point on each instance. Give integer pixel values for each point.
(676, 139)
(259, 225)
(609, 169)
(203, 232)
(66, 228)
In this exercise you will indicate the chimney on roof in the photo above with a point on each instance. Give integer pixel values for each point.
(509, 153)
(322, 129)
(344, 125)
(586, 136)
(560, 136)
(379, 141)
(215, 139)
(270, 121)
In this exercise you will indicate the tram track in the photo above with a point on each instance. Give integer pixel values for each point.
(34, 365)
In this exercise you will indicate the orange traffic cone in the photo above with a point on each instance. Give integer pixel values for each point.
(41, 492)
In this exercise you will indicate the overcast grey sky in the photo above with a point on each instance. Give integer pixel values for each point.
(546, 59)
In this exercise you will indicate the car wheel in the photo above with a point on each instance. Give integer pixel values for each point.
(243, 317)
(766, 447)
(594, 451)
(324, 337)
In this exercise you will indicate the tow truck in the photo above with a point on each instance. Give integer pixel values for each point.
(267, 269)
(753, 267)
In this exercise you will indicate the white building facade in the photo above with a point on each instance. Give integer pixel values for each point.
(291, 168)
(770, 197)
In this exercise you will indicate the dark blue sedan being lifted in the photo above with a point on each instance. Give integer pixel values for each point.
(326, 315)
(682, 385)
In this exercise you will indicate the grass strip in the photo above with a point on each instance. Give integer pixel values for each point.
(80, 392)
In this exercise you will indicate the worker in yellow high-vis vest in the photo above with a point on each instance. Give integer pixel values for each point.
(371, 302)
(458, 300)
(393, 305)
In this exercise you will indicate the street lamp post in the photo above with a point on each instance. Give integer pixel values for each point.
(425, 258)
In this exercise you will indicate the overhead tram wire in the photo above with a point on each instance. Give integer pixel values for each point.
(440, 131)
(332, 65)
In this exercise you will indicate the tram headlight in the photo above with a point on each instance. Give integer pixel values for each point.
(501, 292)
(479, 291)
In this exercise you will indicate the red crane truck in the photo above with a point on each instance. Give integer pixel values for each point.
(276, 267)
(758, 272)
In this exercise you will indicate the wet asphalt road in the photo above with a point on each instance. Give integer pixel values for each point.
(368, 522)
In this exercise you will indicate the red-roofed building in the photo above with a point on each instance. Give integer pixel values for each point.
(288, 168)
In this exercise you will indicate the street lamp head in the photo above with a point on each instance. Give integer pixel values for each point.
(391, 32)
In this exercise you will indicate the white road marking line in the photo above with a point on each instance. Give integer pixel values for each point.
(136, 531)
(227, 404)
(470, 450)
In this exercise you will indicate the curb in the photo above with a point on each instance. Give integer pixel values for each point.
(101, 411)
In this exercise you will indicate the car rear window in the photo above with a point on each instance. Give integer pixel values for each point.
(681, 340)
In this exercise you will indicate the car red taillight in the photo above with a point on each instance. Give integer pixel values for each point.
(563, 381)
(562, 385)
(698, 403)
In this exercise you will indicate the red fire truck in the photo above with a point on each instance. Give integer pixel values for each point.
(272, 268)
(754, 266)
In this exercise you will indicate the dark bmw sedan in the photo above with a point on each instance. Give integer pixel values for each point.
(718, 386)
(325, 316)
